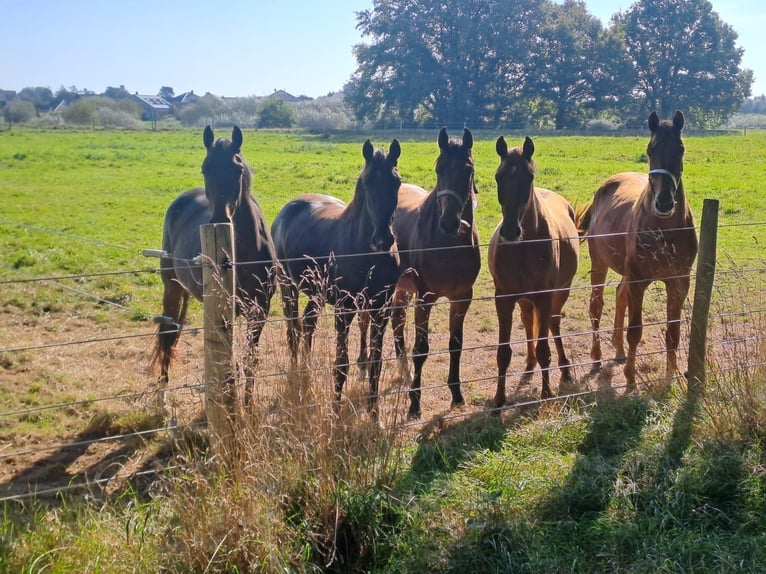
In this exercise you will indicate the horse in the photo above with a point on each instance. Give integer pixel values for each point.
(532, 258)
(344, 255)
(641, 226)
(439, 248)
(225, 198)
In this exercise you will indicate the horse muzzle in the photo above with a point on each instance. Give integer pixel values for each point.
(382, 243)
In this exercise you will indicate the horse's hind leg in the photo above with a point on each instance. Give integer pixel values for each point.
(343, 317)
(527, 309)
(542, 347)
(255, 320)
(398, 322)
(175, 301)
(379, 321)
(621, 305)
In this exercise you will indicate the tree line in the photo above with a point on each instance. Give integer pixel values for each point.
(544, 64)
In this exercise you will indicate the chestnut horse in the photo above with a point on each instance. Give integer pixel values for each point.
(226, 197)
(532, 258)
(439, 248)
(344, 255)
(640, 225)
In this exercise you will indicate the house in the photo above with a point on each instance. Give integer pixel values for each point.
(155, 107)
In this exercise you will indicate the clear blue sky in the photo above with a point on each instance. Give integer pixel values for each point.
(230, 47)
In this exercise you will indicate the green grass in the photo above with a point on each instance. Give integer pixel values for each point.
(635, 485)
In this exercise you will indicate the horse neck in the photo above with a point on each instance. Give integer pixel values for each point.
(530, 221)
(355, 213)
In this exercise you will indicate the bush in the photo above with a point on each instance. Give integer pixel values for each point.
(113, 118)
(323, 115)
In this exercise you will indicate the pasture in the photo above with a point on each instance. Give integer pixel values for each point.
(457, 490)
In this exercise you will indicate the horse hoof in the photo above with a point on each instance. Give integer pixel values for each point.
(620, 359)
(414, 415)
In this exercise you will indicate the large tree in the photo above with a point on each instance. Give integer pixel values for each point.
(453, 61)
(579, 67)
(684, 57)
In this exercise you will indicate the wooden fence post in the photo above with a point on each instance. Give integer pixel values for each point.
(703, 292)
(219, 279)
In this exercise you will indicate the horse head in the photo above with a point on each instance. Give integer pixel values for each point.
(380, 181)
(666, 156)
(227, 176)
(515, 179)
(454, 179)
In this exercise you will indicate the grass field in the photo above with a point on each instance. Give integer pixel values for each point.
(605, 483)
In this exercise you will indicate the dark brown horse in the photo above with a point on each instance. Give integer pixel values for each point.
(439, 249)
(344, 255)
(533, 259)
(640, 225)
(226, 197)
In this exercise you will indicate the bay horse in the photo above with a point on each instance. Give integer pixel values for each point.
(438, 244)
(641, 226)
(225, 198)
(344, 255)
(532, 258)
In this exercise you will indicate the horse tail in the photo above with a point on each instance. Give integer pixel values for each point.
(582, 220)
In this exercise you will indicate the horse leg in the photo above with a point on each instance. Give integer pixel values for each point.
(419, 352)
(256, 316)
(542, 348)
(362, 361)
(175, 300)
(310, 318)
(621, 305)
(636, 291)
(457, 313)
(343, 317)
(597, 278)
(504, 307)
(378, 328)
(289, 291)
(559, 299)
(677, 289)
(398, 321)
(528, 320)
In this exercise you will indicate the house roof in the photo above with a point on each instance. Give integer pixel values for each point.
(153, 102)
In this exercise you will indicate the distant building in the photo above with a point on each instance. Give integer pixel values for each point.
(185, 99)
(155, 107)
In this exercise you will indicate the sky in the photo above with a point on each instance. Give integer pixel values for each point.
(235, 48)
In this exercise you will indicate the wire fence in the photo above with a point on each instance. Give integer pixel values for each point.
(736, 325)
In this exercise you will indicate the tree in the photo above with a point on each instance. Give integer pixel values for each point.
(580, 67)
(116, 93)
(18, 111)
(40, 97)
(458, 61)
(167, 93)
(274, 112)
(684, 57)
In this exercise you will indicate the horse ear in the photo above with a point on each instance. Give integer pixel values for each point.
(236, 138)
(207, 137)
(501, 147)
(467, 138)
(653, 122)
(529, 148)
(394, 151)
(367, 151)
(443, 138)
(678, 120)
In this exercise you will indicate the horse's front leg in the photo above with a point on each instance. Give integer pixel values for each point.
(636, 291)
(504, 305)
(419, 352)
(597, 278)
(542, 348)
(362, 361)
(255, 320)
(457, 312)
(289, 292)
(621, 304)
(677, 289)
(343, 317)
(559, 299)
(527, 309)
(379, 319)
